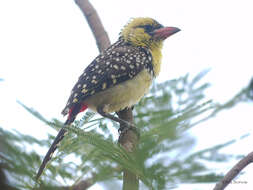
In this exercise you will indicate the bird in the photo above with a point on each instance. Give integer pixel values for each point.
(118, 77)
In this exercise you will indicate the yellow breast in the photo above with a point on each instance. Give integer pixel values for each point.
(156, 51)
(122, 95)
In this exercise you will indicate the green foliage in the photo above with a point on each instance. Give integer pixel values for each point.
(91, 152)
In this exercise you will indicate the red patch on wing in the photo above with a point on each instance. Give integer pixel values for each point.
(83, 108)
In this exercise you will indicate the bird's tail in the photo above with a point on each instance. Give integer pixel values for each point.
(72, 115)
(51, 150)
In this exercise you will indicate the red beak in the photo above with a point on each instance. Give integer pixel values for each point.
(165, 32)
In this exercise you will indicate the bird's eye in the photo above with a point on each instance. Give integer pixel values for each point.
(148, 28)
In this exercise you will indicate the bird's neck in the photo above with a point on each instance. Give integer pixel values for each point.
(156, 51)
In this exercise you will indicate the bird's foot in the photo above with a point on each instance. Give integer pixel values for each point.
(125, 128)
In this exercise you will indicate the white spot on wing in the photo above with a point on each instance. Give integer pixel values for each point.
(115, 67)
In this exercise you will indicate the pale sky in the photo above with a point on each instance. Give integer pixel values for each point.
(45, 46)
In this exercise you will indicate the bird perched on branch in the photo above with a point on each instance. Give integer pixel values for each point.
(119, 77)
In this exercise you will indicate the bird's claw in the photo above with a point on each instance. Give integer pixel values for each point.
(124, 128)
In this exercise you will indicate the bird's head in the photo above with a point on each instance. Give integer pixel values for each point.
(146, 32)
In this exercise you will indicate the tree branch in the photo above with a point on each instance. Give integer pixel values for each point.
(234, 172)
(95, 24)
(250, 93)
(129, 139)
(82, 185)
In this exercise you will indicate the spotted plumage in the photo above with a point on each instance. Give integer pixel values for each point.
(123, 62)
(117, 78)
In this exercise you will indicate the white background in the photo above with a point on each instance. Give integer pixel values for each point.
(45, 45)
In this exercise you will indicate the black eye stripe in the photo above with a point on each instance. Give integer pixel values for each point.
(150, 27)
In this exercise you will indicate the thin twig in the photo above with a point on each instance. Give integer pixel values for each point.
(234, 172)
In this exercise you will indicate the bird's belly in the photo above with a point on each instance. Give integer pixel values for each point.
(122, 95)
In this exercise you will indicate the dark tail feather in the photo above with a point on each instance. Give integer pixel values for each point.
(57, 140)
(50, 152)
